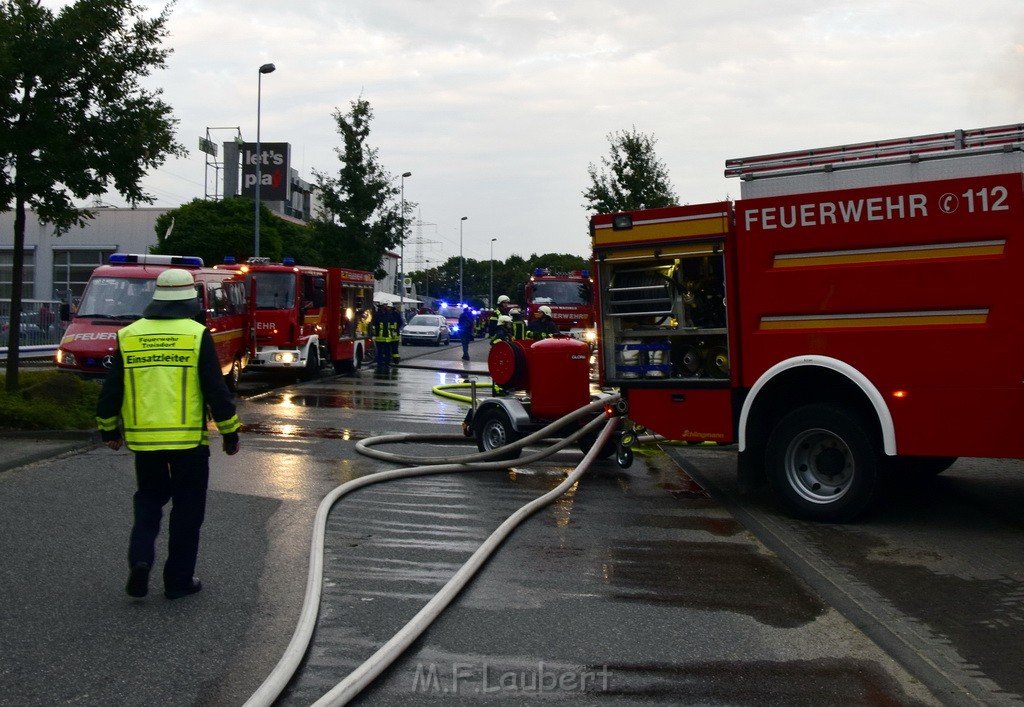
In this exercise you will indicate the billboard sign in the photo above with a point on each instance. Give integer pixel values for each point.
(274, 162)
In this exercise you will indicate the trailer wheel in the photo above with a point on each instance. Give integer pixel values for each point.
(823, 463)
(587, 441)
(494, 430)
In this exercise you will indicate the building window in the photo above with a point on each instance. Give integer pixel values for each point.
(72, 269)
(28, 285)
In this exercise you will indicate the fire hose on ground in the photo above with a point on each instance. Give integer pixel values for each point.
(362, 676)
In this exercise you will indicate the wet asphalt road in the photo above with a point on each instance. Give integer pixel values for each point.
(638, 587)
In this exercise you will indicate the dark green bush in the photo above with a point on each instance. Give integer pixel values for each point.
(49, 400)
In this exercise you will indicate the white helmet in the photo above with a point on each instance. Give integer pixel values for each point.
(504, 319)
(503, 299)
(173, 285)
(514, 311)
(545, 310)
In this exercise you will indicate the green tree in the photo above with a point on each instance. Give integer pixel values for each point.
(359, 218)
(75, 119)
(630, 178)
(215, 229)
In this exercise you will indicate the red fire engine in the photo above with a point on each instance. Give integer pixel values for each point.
(116, 295)
(855, 314)
(304, 316)
(570, 297)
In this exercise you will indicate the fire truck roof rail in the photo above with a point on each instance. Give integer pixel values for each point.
(959, 143)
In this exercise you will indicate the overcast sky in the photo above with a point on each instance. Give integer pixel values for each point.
(497, 107)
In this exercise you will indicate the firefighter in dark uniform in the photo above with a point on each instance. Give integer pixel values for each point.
(543, 327)
(381, 338)
(395, 325)
(466, 330)
(503, 331)
(164, 378)
(504, 305)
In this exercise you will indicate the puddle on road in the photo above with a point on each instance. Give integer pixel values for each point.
(714, 576)
(286, 430)
(346, 400)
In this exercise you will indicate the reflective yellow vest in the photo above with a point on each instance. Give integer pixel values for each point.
(163, 403)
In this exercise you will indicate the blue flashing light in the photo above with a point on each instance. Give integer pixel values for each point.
(288, 261)
(539, 272)
(585, 273)
(188, 261)
(229, 260)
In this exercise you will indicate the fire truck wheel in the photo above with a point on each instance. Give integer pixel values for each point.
(312, 369)
(494, 430)
(823, 463)
(234, 375)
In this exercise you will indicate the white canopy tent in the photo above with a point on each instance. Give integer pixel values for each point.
(386, 297)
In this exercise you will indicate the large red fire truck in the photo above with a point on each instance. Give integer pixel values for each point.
(305, 317)
(570, 297)
(117, 294)
(857, 313)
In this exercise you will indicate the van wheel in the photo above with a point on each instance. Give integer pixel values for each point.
(234, 375)
(823, 463)
(494, 430)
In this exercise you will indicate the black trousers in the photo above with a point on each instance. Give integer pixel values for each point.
(182, 478)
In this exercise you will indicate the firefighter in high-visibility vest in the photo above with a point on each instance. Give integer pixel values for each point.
(163, 379)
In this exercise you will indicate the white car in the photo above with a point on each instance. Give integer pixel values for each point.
(426, 329)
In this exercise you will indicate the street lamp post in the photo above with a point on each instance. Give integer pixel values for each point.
(460, 257)
(265, 69)
(490, 299)
(401, 254)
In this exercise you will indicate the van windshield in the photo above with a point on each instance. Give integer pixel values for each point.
(275, 290)
(116, 297)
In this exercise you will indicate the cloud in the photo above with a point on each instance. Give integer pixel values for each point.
(498, 106)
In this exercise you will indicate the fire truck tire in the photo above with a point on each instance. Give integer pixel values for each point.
(823, 463)
(312, 369)
(234, 375)
(493, 430)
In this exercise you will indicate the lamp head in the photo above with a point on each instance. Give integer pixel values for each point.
(267, 68)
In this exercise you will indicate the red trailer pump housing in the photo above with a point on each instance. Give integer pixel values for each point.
(559, 377)
(556, 372)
